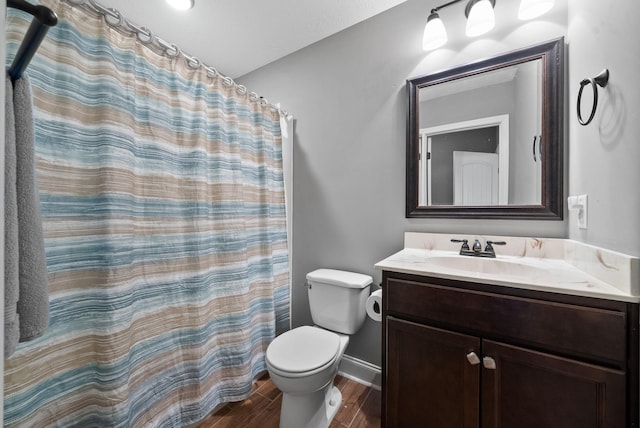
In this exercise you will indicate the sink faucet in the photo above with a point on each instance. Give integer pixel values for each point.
(476, 249)
(465, 244)
(489, 248)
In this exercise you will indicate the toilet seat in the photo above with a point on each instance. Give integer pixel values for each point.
(303, 350)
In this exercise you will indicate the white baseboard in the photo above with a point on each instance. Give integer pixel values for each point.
(361, 371)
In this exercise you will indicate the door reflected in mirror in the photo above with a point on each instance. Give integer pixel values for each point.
(469, 158)
(485, 139)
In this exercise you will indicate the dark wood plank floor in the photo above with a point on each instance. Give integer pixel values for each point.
(360, 407)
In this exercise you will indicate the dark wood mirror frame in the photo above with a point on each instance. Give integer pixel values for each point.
(551, 208)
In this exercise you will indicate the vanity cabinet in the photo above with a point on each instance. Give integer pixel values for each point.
(461, 354)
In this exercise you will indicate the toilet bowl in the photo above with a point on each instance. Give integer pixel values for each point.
(303, 362)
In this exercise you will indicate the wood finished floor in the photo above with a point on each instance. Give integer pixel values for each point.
(360, 407)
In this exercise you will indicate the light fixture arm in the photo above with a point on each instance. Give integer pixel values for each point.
(437, 8)
(467, 8)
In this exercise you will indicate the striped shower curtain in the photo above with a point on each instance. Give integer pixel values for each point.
(163, 210)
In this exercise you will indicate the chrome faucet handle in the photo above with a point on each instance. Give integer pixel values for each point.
(490, 244)
(465, 243)
(477, 246)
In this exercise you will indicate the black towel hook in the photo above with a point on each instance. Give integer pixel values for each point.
(600, 80)
(43, 19)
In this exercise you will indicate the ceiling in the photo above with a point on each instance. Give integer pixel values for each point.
(239, 36)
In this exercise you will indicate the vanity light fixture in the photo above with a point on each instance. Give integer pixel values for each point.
(182, 4)
(435, 35)
(480, 19)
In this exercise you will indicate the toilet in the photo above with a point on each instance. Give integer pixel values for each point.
(304, 361)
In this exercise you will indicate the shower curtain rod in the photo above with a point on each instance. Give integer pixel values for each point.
(43, 18)
(115, 19)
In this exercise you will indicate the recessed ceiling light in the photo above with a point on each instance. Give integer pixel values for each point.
(182, 4)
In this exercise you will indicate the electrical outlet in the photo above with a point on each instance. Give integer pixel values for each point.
(579, 204)
(582, 211)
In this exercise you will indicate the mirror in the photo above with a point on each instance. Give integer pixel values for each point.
(485, 140)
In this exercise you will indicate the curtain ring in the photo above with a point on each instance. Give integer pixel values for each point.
(600, 80)
(144, 31)
(113, 13)
(193, 62)
(211, 72)
(172, 51)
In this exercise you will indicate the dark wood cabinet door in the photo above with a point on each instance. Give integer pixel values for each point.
(531, 389)
(430, 383)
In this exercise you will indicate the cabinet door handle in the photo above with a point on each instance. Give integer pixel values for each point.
(473, 358)
(489, 363)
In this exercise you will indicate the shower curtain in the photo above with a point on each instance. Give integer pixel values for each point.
(163, 210)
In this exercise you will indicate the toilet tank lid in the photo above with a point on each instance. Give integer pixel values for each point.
(339, 277)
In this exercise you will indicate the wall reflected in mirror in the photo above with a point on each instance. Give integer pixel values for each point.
(480, 139)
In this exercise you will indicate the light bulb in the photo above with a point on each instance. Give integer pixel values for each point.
(530, 9)
(182, 4)
(481, 18)
(435, 35)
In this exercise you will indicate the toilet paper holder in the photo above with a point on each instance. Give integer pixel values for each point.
(374, 305)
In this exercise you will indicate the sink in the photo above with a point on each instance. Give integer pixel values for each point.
(545, 264)
(487, 266)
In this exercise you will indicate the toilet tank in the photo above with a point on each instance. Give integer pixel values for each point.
(337, 299)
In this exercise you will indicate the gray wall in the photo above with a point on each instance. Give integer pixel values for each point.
(478, 103)
(347, 93)
(605, 155)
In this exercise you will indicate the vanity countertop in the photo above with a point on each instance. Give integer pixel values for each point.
(544, 264)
